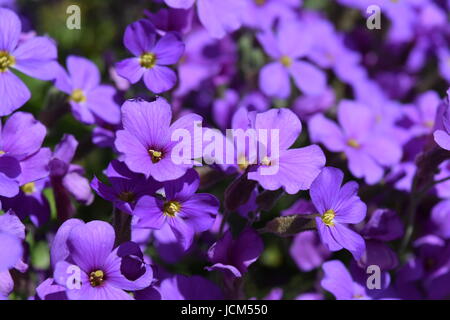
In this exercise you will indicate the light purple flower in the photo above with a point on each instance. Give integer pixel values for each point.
(368, 152)
(338, 206)
(88, 98)
(145, 140)
(442, 135)
(152, 56)
(307, 251)
(22, 160)
(36, 57)
(185, 211)
(105, 272)
(286, 53)
(293, 169)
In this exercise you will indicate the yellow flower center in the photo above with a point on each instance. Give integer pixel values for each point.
(328, 217)
(6, 61)
(171, 208)
(286, 61)
(147, 60)
(353, 143)
(243, 163)
(266, 161)
(127, 196)
(260, 2)
(429, 124)
(96, 278)
(29, 188)
(155, 155)
(78, 96)
(2, 152)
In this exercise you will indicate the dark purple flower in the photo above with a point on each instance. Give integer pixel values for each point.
(145, 140)
(217, 16)
(87, 250)
(234, 256)
(338, 206)
(181, 287)
(126, 187)
(36, 57)
(151, 56)
(88, 98)
(185, 211)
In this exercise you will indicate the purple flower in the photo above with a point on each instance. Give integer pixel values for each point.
(340, 283)
(88, 98)
(86, 250)
(12, 233)
(308, 251)
(22, 160)
(68, 179)
(367, 151)
(279, 166)
(126, 187)
(274, 77)
(146, 142)
(171, 20)
(217, 16)
(181, 287)
(234, 256)
(36, 57)
(151, 56)
(337, 207)
(30, 202)
(185, 211)
(442, 135)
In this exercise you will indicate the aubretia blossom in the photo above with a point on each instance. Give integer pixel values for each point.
(217, 16)
(367, 150)
(337, 207)
(88, 98)
(185, 211)
(36, 57)
(145, 140)
(292, 169)
(126, 186)
(104, 272)
(152, 56)
(286, 48)
(234, 256)
(12, 233)
(22, 160)
(442, 135)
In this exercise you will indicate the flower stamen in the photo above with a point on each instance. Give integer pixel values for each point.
(328, 217)
(6, 61)
(96, 278)
(29, 188)
(155, 155)
(78, 96)
(171, 208)
(147, 60)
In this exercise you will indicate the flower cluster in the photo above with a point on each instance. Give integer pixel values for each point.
(255, 120)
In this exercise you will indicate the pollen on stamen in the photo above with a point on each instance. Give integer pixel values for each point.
(243, 163)
(78, 96)
(155, 155)
(96, 278)
(171, 208)
(353, 143)
(328, 217)
(28, 188)
(6, 61)
(286, 61)
(266, 161)
(147, 60)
